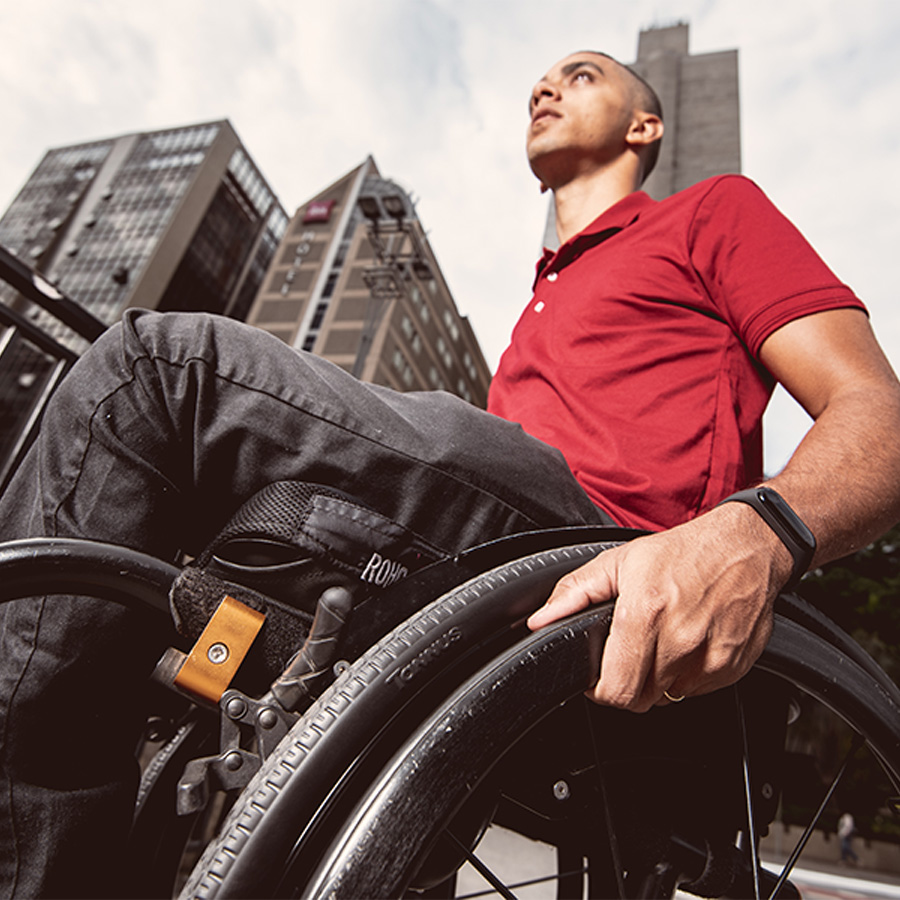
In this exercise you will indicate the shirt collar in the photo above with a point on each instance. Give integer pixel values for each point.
(620, 215)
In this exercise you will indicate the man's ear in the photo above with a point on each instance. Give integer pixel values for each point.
(645, 128)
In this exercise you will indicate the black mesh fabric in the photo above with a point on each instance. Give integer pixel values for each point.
(290, 542)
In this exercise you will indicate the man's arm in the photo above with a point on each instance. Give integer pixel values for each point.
(694, 606)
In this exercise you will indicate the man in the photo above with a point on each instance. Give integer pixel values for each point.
(170, 422)
(694, 603)
(845, 830)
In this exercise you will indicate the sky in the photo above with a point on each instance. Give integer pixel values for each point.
(436, 91)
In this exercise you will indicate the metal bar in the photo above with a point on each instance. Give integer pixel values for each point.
(36, 335)
(30, 429)
(36, 288)
(38, 566)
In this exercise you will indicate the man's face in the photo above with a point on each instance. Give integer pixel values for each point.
(579, 114)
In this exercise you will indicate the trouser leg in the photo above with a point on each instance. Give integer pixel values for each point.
(157, 436)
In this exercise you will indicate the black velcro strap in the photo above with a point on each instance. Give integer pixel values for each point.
(197, 593)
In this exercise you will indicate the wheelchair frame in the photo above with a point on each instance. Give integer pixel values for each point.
(330, 804)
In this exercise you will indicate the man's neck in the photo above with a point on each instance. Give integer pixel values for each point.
(581, 200)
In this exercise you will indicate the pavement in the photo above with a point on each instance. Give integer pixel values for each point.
(828, 882)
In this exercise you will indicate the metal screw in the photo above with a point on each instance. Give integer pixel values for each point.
(233, 761)
(767, 791)
(561, 790)
(268, 718)
(217, 654)
(236, 708)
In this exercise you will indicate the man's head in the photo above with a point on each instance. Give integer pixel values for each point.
(588, 112)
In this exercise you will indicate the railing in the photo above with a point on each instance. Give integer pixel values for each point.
(34, 316)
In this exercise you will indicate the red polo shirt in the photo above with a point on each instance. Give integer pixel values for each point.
(637, 356)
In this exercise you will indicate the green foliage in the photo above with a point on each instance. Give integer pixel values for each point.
(862, 594)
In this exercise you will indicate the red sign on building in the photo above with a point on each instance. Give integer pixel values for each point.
(318, 211)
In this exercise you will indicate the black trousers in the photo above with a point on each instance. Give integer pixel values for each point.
(159, 433)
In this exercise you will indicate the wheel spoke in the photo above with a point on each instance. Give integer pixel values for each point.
(524, 884)
(604, 802)
(748, 794)
(858, 741)
(481, 868)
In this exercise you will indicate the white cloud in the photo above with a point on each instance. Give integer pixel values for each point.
(436, 91)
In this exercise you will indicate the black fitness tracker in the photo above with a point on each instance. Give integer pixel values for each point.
(776, 513)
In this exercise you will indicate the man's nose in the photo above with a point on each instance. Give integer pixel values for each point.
(544, 89)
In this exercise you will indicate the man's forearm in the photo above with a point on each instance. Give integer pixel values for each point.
(844, 478)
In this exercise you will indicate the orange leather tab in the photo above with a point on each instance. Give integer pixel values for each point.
(220, 650)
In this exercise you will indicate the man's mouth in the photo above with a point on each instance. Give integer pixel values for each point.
(543, 114)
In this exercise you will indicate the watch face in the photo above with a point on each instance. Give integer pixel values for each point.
(778, 515)
(788, 519)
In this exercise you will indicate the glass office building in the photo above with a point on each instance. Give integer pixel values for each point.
(179, 219)
(176, 219)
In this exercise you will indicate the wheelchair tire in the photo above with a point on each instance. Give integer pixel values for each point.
(305, 823)
(424, 785)
(307, 786)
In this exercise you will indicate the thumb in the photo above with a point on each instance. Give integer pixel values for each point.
(593, 582)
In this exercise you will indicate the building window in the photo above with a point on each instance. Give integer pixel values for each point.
(450, 322)
(318, 316)
(470, 366)
(330, 285)
(444, 352)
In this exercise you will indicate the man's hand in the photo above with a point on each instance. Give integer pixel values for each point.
(694, 608)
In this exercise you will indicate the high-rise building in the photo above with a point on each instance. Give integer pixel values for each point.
(174, 219)
(355, 280)
(179, 219)
(701, 108)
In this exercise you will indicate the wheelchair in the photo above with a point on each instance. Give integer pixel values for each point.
(402, 733)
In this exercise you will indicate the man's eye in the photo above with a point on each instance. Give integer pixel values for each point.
(582, 75)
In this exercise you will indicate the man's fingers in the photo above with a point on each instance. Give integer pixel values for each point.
(593, 582)
(628, 662)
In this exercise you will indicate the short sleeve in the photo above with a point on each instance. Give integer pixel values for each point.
(757, 268)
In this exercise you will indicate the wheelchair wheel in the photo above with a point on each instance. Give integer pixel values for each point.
(387, 784)
(416, 798)
(306, 787)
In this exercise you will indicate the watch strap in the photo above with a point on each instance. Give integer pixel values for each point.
(790, 528)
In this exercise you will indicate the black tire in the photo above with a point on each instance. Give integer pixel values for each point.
(430, 777)
(307, 786)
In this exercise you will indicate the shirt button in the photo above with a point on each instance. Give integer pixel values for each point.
(553, 276)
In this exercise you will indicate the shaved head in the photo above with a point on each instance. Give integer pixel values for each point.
(644, 99)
